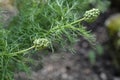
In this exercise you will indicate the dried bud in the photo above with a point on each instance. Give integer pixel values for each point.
(91, 15)
(41, 43)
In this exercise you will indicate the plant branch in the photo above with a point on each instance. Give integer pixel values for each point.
(21, 51)
(76, 21)
(64, 26)
(16, 53)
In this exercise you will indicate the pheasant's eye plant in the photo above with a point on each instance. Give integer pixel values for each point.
(41, 25)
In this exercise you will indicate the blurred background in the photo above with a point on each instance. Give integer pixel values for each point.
(90, 62)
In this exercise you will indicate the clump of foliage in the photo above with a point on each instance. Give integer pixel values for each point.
(41, 24)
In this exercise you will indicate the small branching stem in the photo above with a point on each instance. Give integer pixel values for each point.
(64, 26)
(21, 51)
(76, 21)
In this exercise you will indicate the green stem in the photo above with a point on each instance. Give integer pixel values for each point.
(76, 21)
(64, 26)
(21, 51)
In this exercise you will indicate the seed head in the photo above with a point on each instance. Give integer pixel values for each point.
(91, 15)
(41, 43)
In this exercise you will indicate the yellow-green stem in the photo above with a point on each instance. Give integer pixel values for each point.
(21, 51)
(64, 26)
(76, 21)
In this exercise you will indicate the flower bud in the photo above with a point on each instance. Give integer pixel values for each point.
(41, 43)
(91, 15)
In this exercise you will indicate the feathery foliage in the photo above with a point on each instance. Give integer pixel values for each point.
(40, 24)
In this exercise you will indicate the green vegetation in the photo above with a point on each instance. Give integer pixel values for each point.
(41, 24)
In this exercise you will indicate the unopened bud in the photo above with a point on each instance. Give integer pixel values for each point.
(91, 15)
(41, 43)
